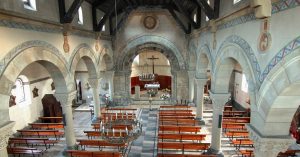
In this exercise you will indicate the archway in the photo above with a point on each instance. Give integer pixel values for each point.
(179, 75)
(231, 66)
(150, 62)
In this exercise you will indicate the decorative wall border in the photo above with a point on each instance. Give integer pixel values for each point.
(28, 44)
(286, 50)
(277, 7)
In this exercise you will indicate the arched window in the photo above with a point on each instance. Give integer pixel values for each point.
(29, 4)
(21, 91)
(80, 16)
(244, 84)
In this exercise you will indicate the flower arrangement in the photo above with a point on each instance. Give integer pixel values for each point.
(165, 96)
(151, 92)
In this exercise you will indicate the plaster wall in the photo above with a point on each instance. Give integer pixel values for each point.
(23, 114)
(166, 28)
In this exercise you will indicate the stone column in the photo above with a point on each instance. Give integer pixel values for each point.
(268, 146)
(65, 100)
(94, 82)
(199, 97)
(191, 85)
(219, 100)
(110, 77)
(137, 92)
(5, 133)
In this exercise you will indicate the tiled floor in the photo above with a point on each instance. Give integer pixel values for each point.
(146, 144)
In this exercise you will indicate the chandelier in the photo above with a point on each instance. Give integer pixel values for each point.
(120, 130)
(146, 77)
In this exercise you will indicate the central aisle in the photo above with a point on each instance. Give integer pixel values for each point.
(146, 144)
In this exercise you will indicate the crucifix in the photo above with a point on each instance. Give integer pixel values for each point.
(152, 58)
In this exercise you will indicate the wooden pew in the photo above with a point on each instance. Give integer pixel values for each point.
(99, 143)
(46, 125)
(288, 153)
(96, 126)
(121, 109)
(179, 122)
(180, 129)
(236, 119)
(31, 141)
(40, 133)
(237, 126)
(175, 111)
(91, 134)
(182, 114)
(82, 153)
(237, 134)
(176, 117)
(184, 155)
(246, 153)
(242, 142)
(51, 119)
(182, 137)
(234, 113)
(182, 146)
(175, 106)
(227, 108)
(24, 151)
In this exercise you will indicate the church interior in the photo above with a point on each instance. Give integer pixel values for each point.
(150, 78)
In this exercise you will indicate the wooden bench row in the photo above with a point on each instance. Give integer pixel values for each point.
(175, 106)
(189, 122)
(182, 137)
(182, 146)
(12, 142)
(81, 153)
(46, 125)
(176, 117)
(175, 111)
(242, 142)
(93, 134)
(184, 155)
(39, 133)
(178, 114)
(180, 129)
(24, 151)
(96, 126)
(99, 143)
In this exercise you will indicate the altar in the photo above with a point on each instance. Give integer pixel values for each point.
(152, 89)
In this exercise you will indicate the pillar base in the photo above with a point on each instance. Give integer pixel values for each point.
(75, 147)
(212, 151)
(201, 121)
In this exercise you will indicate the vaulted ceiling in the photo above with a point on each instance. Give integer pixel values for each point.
(184, 7)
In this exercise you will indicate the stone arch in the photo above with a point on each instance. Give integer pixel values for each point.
(34, 51)
(225, 62)
(85, 52)
(247, 52)
(127, 61)
(279, 95)
(204, 61)
(150, 39)
(106, 58)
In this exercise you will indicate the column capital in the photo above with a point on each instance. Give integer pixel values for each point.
(5, 133)
(65, 98)
(270, 145)
(219, 98)
(200, 81)
(94, 82)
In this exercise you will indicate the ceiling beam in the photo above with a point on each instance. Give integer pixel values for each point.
(67, 17)
(177, 19)
(72, 11)
(198, 14)
(121, 21)
(185, 13)
(216, 8)
(206, 8)
(105, 17)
